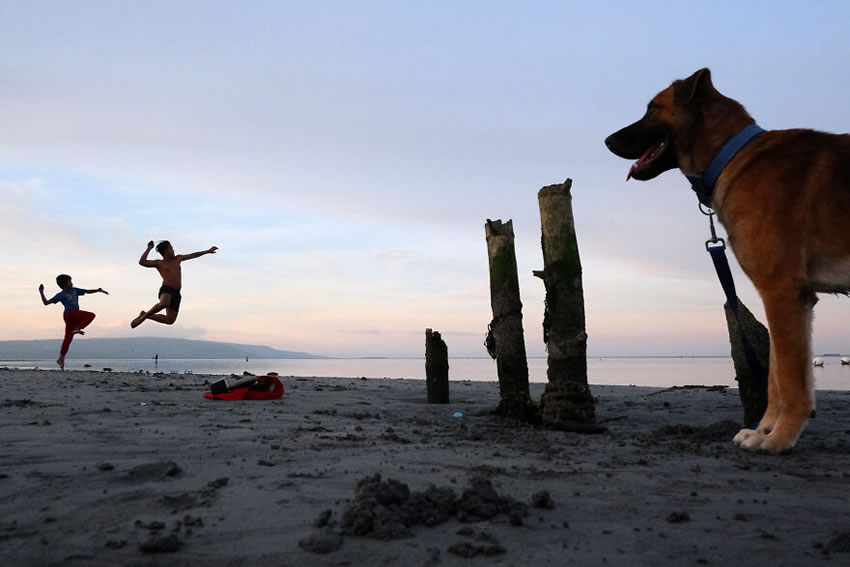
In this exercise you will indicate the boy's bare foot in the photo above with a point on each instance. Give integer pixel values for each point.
(61, 362)
(138, 320)
(79, 332)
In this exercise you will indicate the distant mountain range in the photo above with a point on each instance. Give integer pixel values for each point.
(141, 347)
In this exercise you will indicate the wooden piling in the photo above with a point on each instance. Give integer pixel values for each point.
(750, 386)
(567, 402)
(505, 340)
(436, 368)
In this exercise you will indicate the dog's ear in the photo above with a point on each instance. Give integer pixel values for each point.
(686, 90)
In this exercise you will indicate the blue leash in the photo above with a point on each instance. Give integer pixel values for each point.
(717, 248)
(703, 185)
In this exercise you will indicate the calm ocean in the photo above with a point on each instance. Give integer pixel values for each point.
(662, 371)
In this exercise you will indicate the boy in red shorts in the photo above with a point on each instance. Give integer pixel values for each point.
(75, 319)
(172, 281)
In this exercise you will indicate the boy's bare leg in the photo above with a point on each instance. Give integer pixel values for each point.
(148, 314)
(167, 319)
(138, 320)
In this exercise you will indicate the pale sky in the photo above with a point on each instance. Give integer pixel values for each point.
(345, 155)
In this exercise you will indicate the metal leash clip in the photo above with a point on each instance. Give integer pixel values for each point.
(713, 243)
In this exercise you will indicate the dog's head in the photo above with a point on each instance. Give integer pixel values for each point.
(665, 137)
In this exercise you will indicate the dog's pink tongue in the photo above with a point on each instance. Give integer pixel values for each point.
(647, 156)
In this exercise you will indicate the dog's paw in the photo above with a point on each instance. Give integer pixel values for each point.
(777, 444)
(746, 437)
(756, 441)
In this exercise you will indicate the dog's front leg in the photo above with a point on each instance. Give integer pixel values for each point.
(771, 413)
(790, 396)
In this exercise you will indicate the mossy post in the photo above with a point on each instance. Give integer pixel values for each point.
(750, 386)
(505, 340)
(436, 368)
(566, 403)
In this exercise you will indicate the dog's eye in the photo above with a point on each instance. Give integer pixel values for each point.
(651, 107)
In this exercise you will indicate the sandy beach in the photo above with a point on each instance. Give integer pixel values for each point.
(103, 468)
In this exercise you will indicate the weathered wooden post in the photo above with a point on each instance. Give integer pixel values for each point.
(436, 368)
(505, 340)
(567, 402)
(751, 386)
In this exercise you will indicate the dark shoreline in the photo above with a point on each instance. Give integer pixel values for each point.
(116, 468)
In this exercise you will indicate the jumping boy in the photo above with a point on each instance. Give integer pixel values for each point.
(75, 319)
(169, 293)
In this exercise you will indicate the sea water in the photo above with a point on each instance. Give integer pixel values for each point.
(638, 371)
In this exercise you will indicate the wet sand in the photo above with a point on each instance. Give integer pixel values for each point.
(102, 468)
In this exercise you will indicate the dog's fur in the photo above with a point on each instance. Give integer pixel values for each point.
(785, 202)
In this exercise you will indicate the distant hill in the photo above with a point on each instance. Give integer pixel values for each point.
(141, 347)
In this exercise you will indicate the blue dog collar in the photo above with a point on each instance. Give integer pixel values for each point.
(703, 183)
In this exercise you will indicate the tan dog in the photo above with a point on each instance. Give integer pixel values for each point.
(784, 198)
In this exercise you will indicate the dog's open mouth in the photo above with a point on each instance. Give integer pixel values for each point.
(648, 157)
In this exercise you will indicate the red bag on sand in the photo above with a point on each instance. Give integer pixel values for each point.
(267, 387)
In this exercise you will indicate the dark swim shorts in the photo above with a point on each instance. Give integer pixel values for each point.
(175, 296)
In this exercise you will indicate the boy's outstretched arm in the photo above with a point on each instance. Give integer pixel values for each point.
(210, 250)
(41, 292)
(98, 290)
(143, 261)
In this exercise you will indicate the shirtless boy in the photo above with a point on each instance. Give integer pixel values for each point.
(169, 293)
